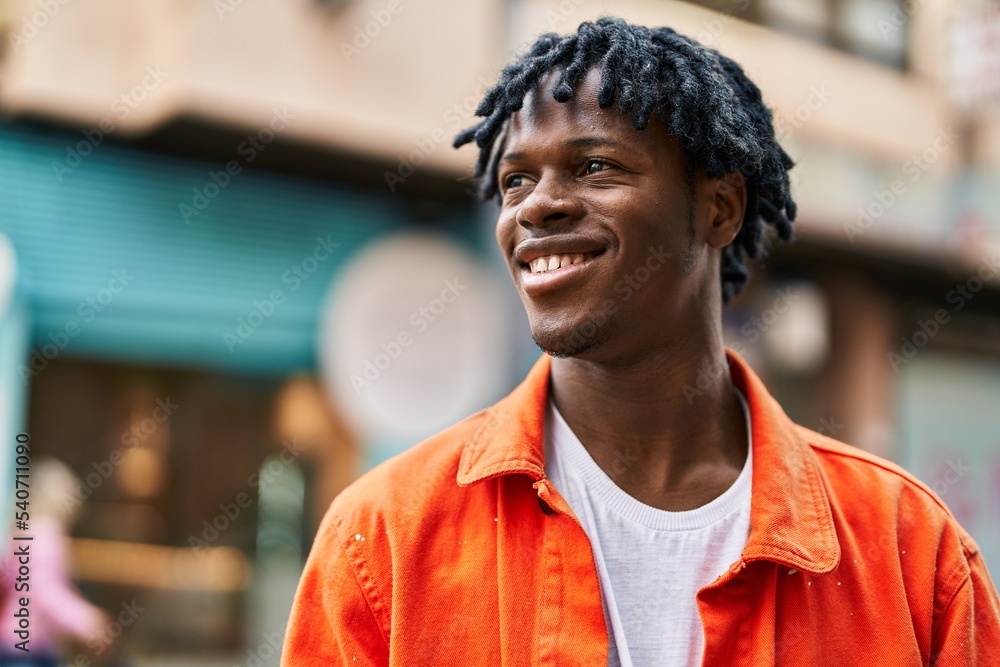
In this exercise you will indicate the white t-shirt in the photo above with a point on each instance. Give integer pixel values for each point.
(650, 562)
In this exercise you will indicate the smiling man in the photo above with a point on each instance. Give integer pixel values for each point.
(604, 513)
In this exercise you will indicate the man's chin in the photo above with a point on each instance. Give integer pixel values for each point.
(570, 341)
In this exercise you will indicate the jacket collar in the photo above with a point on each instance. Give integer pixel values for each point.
(790, 518)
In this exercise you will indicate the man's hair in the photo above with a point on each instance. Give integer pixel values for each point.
(704, 98)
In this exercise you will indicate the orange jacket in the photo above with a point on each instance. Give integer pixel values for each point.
(459, 552)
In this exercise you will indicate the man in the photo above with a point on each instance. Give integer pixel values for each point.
(624, 505)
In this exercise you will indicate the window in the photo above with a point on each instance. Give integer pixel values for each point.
(874, 29)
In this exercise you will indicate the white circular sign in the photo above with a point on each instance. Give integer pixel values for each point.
(413, 339)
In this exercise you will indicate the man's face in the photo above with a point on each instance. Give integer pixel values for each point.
(599, 226)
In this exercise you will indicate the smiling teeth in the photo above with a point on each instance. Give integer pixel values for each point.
(553, 262)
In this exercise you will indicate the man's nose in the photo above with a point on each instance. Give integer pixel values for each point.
(549, 202)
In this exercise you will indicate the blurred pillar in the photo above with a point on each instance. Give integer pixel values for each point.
(858, 384)
(309, 423)
(311, 430)
(281, 503)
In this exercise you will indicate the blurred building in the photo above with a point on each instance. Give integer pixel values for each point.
(243, 264)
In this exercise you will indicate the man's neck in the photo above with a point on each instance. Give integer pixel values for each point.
(666, 426)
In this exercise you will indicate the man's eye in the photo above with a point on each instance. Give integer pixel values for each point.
(595, 166)
(514, 181)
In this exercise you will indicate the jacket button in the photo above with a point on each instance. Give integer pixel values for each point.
(545, 507)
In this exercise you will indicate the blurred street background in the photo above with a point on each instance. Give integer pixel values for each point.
(240, 264)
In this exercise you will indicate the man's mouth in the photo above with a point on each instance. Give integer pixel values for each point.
(554, 262)
(549, 273)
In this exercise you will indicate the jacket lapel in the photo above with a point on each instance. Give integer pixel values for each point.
(790, 516)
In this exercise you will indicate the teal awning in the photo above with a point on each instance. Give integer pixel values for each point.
(115, 218)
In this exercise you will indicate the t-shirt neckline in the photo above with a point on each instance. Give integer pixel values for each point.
(732, 500)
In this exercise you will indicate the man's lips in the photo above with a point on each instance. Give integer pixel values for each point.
(539, 284)
(553, 263)
(545, 271)
(562, 249)
(548, 263)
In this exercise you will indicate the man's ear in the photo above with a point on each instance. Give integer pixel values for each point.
(729, 203)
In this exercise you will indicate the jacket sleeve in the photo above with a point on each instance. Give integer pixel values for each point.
(968, 633)
(331, 621)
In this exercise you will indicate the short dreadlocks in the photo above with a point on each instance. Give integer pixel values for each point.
(704, 98)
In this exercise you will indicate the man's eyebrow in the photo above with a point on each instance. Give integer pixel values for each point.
(512, 157)
(578, 142)
(593, 141)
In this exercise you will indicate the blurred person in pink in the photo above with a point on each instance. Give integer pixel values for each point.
(56, 610)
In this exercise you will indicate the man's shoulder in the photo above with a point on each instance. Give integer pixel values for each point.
(866, 485)
(402, 487)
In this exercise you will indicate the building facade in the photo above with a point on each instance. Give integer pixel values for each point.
(244, 260)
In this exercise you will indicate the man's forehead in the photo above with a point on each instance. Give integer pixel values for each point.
(541, 108)
(540, 98)
(581, 124)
